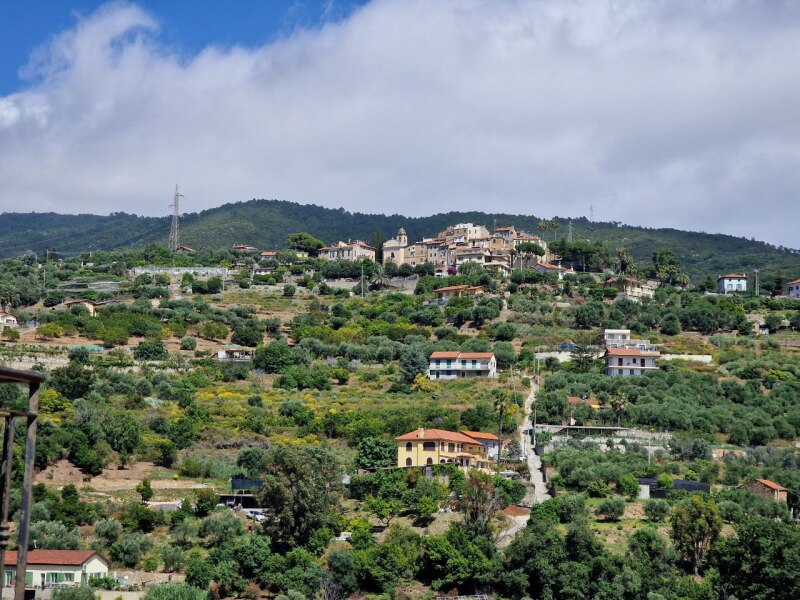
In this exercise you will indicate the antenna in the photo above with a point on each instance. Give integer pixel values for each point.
(569, 231)
(174, 235)
(591, 213)
(756, 282)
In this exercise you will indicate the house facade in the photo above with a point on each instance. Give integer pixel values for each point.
(8, 320)
(767, 489)
(63, 567)
(629, 288)
(424, 447)
(630, 362)
(731, 282)
(557, 269)
(445, 294)
(490, 440)
(794, 288)
(352, 251)
(235, 352)
(621, 338)
(461, 365)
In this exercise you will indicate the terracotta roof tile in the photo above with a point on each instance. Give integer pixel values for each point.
(631, 352)
(481, 435)
(771, 484)
(53, 557)
(435, 435)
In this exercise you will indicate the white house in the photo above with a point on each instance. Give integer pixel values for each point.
(65, 567)
(731, 283)
(794, 288)
(455, 365)
(445, 294)
(557, 269)
(630, 362)
(235, 352)
(8, 320)
(621, 338)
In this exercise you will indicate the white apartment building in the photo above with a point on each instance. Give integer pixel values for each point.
(457, 365)
(630, 362)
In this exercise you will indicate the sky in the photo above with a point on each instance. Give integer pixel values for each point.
(661, 114)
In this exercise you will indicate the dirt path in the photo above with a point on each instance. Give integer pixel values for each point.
(110, 480)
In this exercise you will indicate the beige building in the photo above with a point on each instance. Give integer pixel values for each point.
(352, 251)
(63, 567)
(436, 446)
(462, 365)
(629, 288)
(445, 294)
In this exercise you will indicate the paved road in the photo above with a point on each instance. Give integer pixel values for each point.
(537, 492)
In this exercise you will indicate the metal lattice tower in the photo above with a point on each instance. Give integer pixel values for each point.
(174, 234)
(591, 213)
(569, 231)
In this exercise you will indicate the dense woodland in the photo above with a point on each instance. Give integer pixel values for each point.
(264, 223)
(338, 371)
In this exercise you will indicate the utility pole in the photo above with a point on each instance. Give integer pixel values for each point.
(755, 271)
(174, 235)
(569, 231)
(591, 213)
(362, 278)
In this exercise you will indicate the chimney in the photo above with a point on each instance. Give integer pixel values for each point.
(421, 433)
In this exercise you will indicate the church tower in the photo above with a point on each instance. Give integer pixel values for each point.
(402, 237)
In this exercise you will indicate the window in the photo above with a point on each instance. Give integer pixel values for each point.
(642, 362)
(474, 363)
(441, 445)
(409, 462)
(429, 446)
(619, 362)
(451, 447)
(429, 461)
(409, 446)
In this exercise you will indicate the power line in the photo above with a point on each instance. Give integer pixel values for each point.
(61, 237)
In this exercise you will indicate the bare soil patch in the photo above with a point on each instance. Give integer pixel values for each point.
(111, 480)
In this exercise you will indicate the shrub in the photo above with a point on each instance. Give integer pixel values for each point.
(188, 343)
(611, 508)
(130, 548)
(571, 507)
(289, 290)
(656, 509)
(175, 591)
(76, 593)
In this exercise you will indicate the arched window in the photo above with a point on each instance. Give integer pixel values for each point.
(441, 460)
(430, 446)
(409, 446)
(409, 461)
(430, 461)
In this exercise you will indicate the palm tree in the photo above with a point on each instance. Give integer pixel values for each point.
(554, 225)
(620, 404)
(513, 253)
(624, 259)
(543, 225)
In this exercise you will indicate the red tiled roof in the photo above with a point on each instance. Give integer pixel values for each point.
(444, 354)
(731, 276)
(435, 435)
(476, 355)
(453, 288)
(793, 282)
(73, 558)
(481, 435)
(630, 352)
(771, 484)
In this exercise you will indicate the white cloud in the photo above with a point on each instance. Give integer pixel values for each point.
(657, 113)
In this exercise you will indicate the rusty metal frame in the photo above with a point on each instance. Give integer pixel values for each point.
(33, 381)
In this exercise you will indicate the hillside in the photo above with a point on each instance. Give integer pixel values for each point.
(266, 223)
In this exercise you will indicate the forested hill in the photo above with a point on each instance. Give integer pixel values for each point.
(266, 224)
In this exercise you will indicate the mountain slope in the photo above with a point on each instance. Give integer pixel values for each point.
(267, 223)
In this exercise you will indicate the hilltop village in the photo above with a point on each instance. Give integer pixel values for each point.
(486, 412)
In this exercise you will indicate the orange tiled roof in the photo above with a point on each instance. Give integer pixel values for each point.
(793, 282)
(435, 435)
(481, 435)
(445, 354)
(53, 557)
(731, 276)
(771, 484)
(630, 352)
(476, 355)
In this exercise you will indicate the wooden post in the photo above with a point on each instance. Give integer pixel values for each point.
(5, 489)
(27, 489)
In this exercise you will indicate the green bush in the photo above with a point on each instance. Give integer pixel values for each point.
(656, 509)
(188, 343)
(175, 591)
(611, 508)
(75, 593)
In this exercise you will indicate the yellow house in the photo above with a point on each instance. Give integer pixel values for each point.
(437, 446)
